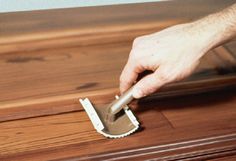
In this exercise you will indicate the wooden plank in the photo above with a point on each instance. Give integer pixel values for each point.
(51, 81)
(49, 59)
(229, 158)
(67, 71)
(36, 30)
(202, 125)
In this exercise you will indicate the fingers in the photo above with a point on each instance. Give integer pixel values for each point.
(136, 64)
(129, 75)
(150, 84)
(140, 59)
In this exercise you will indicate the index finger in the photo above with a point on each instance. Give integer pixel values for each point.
(129, 74)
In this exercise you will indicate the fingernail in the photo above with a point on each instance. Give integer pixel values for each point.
(137, 93)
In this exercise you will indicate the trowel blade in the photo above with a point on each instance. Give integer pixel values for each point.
(124, 125)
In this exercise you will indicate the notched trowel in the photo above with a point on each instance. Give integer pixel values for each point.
(114, 120)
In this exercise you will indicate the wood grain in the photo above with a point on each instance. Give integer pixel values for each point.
(171, 128)
(38, 78)
(228, 158)
(50, 59)
(26, 31)
(51, 81)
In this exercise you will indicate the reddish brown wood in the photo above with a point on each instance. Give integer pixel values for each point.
(202, 126)
(27, 31)
(50, 59)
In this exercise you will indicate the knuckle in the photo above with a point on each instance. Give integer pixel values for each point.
(143, 92)
(124, 80)
(147, 90)
(132, 55)
(151, 90)
(134, 58)
(164, 78)
(137, 41)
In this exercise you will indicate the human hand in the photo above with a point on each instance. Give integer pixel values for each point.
(172, 54)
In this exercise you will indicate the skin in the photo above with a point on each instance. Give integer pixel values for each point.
(174, 53)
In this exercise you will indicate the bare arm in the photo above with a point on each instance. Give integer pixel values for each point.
(220, 27)
(173, 54)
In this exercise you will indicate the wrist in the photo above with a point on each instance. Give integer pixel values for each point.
(206, 34)
(203, 36)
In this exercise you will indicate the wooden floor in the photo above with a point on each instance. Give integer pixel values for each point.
(50, 59)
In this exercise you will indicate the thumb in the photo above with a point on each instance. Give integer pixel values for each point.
(149, 84)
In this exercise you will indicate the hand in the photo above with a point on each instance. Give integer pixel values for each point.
(172, 54)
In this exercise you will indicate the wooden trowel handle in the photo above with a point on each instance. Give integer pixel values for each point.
(123, 100)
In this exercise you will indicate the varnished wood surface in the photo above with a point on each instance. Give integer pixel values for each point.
(50, 59)
(34, 74)
(51, 81)
(228, 158)
(26, 31)
(174, 127)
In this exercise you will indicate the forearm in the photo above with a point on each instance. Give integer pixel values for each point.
(173, 54)
(217, 28)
